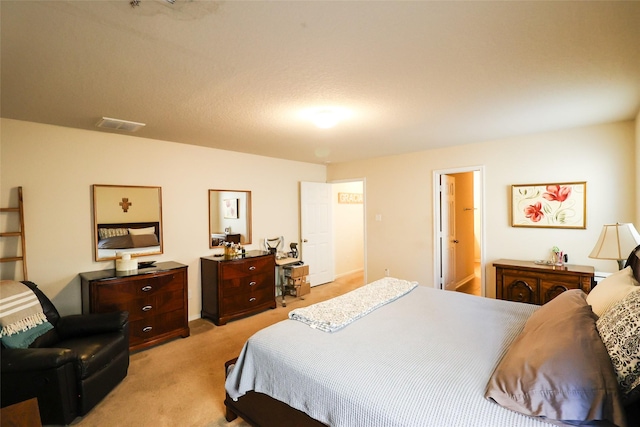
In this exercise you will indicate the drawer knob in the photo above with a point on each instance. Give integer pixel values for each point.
(147, 307)
(147, 288)
(253, 267)
(252, 283)
(252, 299)
(147, 329)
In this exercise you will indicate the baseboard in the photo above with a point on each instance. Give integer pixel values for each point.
(359, 270)
(465, 281)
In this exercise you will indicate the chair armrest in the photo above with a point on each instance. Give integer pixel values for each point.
(80, 325)
(35, 359)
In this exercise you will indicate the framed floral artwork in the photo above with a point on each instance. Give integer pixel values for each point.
(231, 208)
(556, 205)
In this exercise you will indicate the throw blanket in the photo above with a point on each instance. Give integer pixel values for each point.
(336, 313)
(20, 308)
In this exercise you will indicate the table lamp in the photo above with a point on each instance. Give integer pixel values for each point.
(616, 242)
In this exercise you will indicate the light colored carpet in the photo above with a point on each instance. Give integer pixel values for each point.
(181, 383)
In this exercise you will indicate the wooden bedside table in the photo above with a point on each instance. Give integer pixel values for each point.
(526, 281)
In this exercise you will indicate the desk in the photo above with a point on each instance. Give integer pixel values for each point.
(280, 264)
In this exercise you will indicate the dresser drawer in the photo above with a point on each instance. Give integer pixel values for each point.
(245, 267)
(247, 301)
(127, 289)
(150, 327)
(138, 308)
(242, 285)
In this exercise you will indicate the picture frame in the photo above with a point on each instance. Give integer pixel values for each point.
(553, 205)
(231, 208)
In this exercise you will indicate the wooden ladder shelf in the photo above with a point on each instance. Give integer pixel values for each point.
(20, 233)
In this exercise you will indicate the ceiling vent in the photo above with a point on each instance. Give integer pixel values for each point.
(117, 124)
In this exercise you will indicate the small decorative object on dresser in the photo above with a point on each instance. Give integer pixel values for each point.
(155, 297)
(533, 283)
(238, 287)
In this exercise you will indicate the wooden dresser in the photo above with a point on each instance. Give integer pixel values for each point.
(526, 281)
(238, 287)
(155, 297)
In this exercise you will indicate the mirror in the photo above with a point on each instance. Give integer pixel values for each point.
(229, 217)
(127, 219)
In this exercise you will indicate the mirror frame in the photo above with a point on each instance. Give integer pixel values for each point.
(243, 209)
(153, 220)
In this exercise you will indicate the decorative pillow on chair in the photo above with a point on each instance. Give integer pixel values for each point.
(619, 329)
(611, 290)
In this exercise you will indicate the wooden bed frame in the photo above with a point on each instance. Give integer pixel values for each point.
(260, 410)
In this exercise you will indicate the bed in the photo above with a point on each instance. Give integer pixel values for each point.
(433, 358)
(137, 238)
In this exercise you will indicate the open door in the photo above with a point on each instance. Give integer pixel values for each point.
(448, 231)
(316, 225)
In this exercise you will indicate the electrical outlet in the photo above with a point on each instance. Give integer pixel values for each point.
(386, 272)
(189, 294)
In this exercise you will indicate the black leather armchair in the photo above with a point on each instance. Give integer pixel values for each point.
(71, 367)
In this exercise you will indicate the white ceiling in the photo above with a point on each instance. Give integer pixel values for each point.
(235, 75)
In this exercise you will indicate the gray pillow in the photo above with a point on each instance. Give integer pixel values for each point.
(558, 369)
(620, 331)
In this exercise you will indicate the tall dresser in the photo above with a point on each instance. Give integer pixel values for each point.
(155, 297)
(237, 287)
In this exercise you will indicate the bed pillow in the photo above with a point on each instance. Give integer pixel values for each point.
(611, 290)
(634, 262)
(558, 369)
(139, 231)
(144, 240)
(105, 233)
(620, 332)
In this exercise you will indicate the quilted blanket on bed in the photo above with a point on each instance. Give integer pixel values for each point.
(336, 313)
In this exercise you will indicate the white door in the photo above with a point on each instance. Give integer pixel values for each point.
(448, 231)
(317, 231)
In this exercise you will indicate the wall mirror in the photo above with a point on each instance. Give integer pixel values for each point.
(229, 217)
(127, 219)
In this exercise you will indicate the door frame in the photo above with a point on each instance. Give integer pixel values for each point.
(437, 255)
(364, 219)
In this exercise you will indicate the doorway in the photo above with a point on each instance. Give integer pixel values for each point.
(333, 230)
(458, 230)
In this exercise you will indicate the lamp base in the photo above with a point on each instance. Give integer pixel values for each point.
(621, 263)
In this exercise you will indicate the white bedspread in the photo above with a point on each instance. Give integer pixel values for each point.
(422, 360)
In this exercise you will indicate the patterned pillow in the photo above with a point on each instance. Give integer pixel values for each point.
(105, 233)
(619, 329)
(634, 262)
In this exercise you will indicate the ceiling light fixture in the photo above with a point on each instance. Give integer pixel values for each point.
(326, 117)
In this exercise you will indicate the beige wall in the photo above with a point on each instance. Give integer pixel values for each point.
(56, 167)
(400, 189)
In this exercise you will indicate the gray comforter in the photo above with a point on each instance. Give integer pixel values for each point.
(421, 360)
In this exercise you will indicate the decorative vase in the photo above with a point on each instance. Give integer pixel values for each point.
(229, 252)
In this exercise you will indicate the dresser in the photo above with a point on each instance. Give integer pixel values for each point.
(526, 281)
(155, 297)
(237, 287)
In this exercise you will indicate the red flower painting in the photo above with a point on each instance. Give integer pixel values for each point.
(534, 212)
(560, 205)
(558, 193)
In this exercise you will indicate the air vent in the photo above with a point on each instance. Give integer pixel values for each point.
(117, 124)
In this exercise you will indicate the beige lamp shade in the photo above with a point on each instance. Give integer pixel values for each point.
(616, 242)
